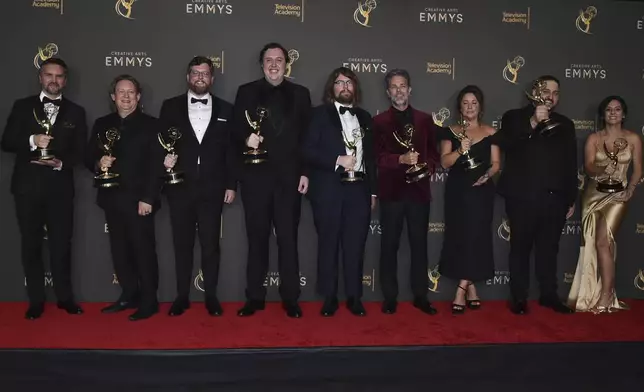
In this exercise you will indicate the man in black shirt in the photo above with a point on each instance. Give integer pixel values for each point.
(539, 184)
(272, 190)
(130, 207)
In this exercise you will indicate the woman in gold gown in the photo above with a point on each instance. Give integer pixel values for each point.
(608, 155)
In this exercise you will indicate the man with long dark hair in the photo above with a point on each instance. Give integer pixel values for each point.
(272, 187)
(130, 207)
(43, 184)
(339, 150)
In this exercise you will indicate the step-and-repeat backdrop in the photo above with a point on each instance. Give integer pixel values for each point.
(501, 46)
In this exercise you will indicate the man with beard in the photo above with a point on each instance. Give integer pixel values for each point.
(43, 183)
(206, 156)
(130, 207)
(272, 190)
(343, 186)
(539, 184)
(400, 199)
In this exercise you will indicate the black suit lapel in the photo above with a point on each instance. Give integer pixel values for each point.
(214, 114)
(183, 109)
(60, 117)
(337, 133)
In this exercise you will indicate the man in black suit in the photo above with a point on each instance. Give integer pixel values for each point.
(539, 184)
(206, 156)
(130, 207)
(341, 207)
(44, 189)
(271, 191)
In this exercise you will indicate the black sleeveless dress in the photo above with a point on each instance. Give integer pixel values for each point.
(467, 242)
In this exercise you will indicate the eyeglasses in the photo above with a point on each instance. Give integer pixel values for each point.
(196, 74)
(343, 83)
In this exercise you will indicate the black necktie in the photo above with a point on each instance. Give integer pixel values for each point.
(344, 109)
(195, 100)
(53, 101)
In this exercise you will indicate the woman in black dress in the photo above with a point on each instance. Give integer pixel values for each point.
(469, 200)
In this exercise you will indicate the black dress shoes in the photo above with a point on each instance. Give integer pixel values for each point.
(519, 307)
(144, 313)
(119, 306)
(329, 307)
(389, 307)
(70, 307)
(355, 307)
(179, 306)
(556, 305)
(425, 306)
(250, 307)
(213, 306)
(34, 311)
(292, 309)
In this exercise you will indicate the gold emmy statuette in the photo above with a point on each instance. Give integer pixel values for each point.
(353, 175)
(545, 126)
(418, 171)
(256, 155)
(171, 176)
(611, 185)
(470, 161)
(45, 154)
(107, 179)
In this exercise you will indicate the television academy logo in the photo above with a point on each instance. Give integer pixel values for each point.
(293, 56)
(511, 69)
(363, 12)
(365, 65)
(568, 277)
(48, 282)
(290, 10)
(516, 17)
(586, 72)
(218, 61)
(209, 7)
(441, 116)
(442, 68)
(436, 227)
(585, 18)
(433, 276)
(441, 16)
(128, 59)
(500, 278)
(638, 282)
(123, 8)
(584, 125)
(369, 280)
(51, 4)
(49, 51)
(639, 228)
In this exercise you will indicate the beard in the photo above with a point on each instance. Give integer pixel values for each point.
(399, 101)
(345, 98)
(199, 89)
(52, 88)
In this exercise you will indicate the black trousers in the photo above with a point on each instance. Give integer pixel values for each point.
(133, 246)
(392, 215)
(190, 211)
(266, 204)
(535, 223)
(342, 221)
(34, 212)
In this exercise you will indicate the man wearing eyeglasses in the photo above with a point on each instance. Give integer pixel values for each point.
(206, 156)
(272, 190)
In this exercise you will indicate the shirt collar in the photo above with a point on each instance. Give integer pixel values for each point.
(338, 105)
(43, 95)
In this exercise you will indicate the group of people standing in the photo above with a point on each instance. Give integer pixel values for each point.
(274, 147)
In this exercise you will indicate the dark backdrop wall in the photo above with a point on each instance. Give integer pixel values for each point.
(501, 45)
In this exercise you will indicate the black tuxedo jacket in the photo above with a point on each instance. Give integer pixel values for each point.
(282, 144)
(218, 168)
(70, 135)
(139, 160)
(324, 143)
(535, 165)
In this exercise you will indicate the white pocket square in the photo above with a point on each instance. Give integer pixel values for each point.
(221, 119)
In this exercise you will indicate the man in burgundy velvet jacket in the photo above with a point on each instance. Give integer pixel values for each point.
(400, 199)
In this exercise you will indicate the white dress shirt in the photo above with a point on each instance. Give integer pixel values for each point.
(52, 120)
(199, 115)
(349, 123)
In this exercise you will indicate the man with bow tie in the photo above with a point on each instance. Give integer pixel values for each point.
(342, 189)
(207, 157)
(271, 191)
(43, 182)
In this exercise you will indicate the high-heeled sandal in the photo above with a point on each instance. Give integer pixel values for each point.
(459, 309)
(473, 304)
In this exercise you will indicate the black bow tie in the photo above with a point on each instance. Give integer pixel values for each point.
(49, 100)
(344, 109)
(195, 100)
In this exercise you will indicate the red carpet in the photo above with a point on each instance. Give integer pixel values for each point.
(493, 324)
